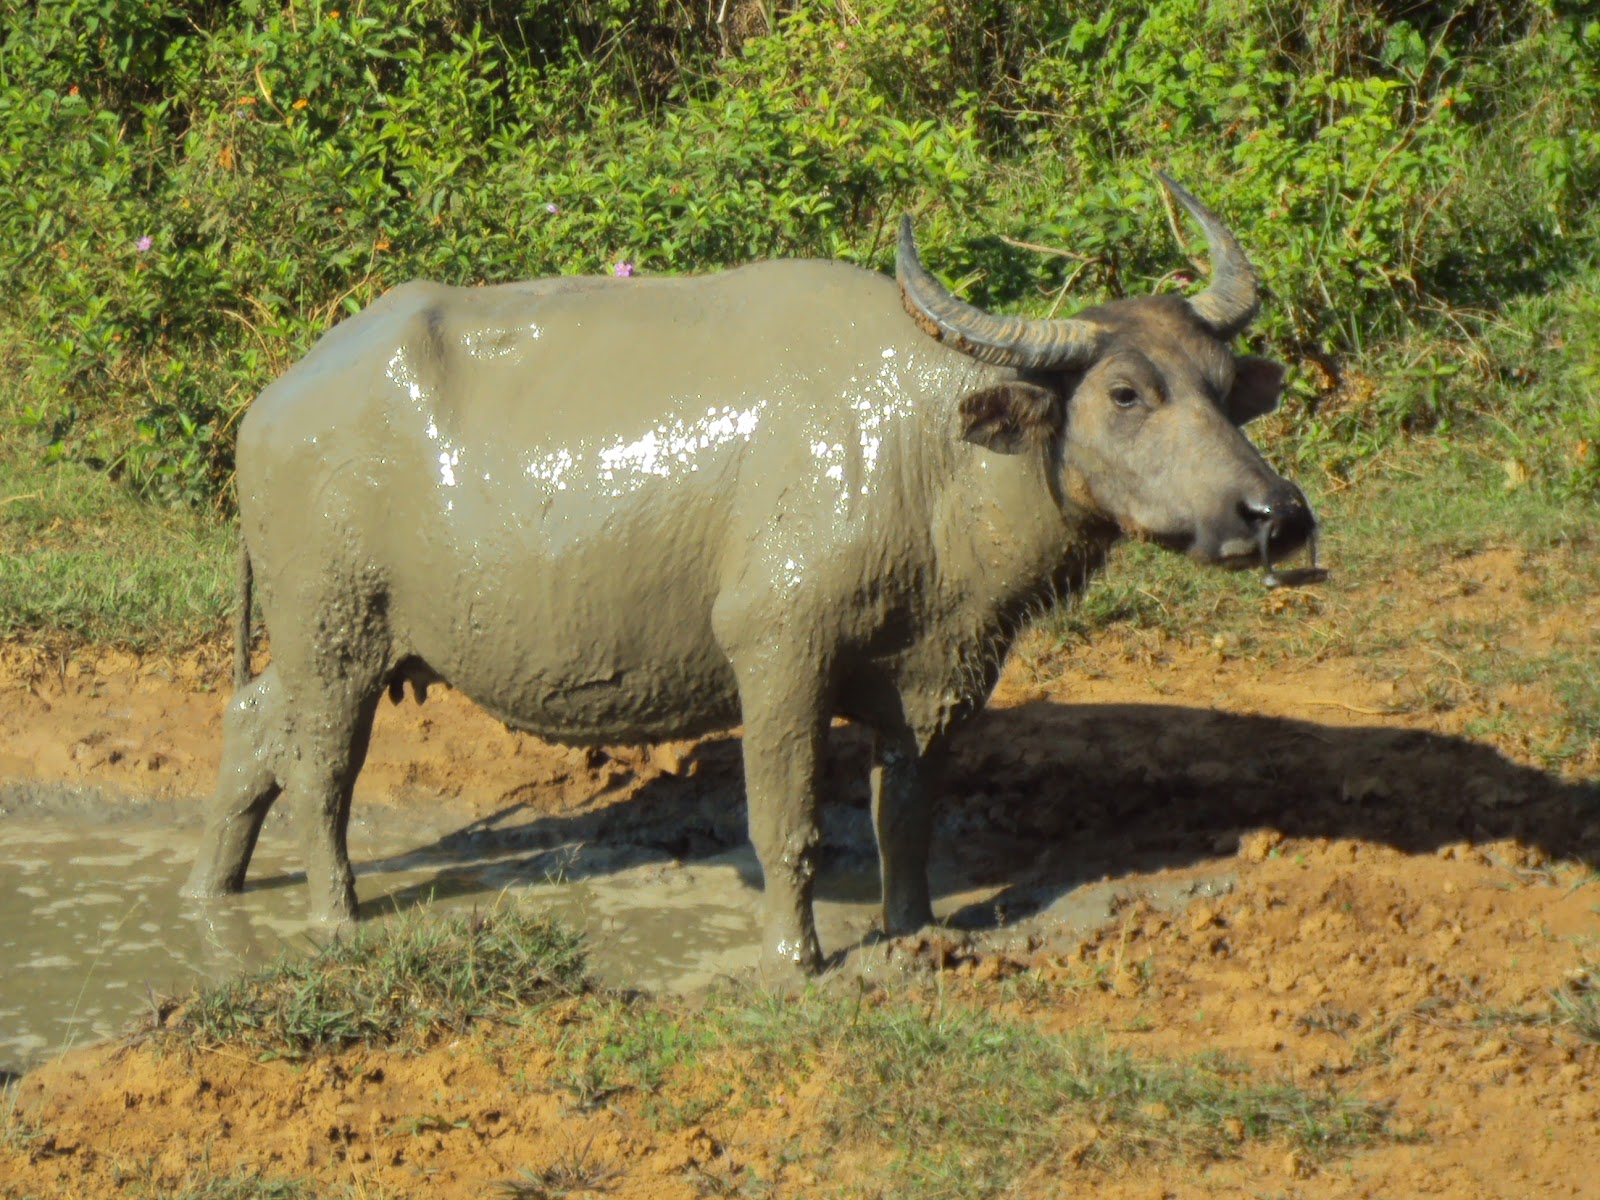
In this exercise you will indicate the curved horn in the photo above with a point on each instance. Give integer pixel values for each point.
(1233, 299)
(1000, 341)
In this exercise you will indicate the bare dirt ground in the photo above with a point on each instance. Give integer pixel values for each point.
(1400, 902)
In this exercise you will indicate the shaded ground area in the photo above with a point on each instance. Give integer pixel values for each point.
(1326, 863)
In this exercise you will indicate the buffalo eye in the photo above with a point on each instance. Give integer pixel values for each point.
(1124, 396)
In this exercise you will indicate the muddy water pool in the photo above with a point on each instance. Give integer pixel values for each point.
(92, 922)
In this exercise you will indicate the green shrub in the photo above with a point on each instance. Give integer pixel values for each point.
(200, 190)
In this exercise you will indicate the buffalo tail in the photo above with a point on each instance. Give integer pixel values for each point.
(241, 619)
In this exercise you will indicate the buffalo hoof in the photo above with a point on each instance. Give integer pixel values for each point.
(788, 966)
(210, 885)
(336, 910)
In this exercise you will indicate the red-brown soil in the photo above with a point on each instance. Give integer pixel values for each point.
(1396, 889)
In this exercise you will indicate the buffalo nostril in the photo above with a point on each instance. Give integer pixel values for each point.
(1255, 512)
(1282, 522)
(1276, 512)
(1283, 515)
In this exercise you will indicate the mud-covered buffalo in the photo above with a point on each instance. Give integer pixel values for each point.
(626, 510)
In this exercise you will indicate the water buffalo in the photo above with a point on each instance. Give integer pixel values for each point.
(624, 510)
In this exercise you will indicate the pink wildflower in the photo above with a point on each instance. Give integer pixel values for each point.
(552, 208)
(144, 243)
(624, 270)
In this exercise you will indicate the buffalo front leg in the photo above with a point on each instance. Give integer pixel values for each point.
(247, 784)
(783, 741)
(904, 779)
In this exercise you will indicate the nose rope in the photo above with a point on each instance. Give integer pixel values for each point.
(1274, 579)
(1264, 549)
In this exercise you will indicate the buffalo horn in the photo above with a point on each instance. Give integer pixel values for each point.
(1000, 341)
(1233, 299)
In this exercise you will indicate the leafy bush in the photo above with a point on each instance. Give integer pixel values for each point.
(200, 189)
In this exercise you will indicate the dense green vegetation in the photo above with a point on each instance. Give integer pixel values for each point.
(197, 190)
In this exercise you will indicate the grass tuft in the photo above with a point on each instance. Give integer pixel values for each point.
(572, 1171)
(1576, 1003)
(385, 983)
(17, 1133)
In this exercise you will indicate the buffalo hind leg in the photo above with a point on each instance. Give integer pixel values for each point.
(332, 742)
(249, 781)
(904, 780)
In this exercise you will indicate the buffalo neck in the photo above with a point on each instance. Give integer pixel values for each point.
(1009, 544)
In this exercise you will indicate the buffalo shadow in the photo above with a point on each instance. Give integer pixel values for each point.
(1100, 791)
(1043, 797)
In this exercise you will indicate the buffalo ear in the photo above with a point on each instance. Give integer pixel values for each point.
(1008, 418)
(1257, 384)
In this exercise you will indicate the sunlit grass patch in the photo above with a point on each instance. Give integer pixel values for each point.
(925, 1098)
(1578, 688)
(82, 559)
(388, 982)
(959, 1098)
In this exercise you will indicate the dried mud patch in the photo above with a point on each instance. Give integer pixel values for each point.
(1351, 862)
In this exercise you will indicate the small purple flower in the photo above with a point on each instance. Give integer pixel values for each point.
(624, 270)
(553, 208)
(144, 243)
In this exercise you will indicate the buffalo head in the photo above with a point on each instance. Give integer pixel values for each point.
(1139, 401)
